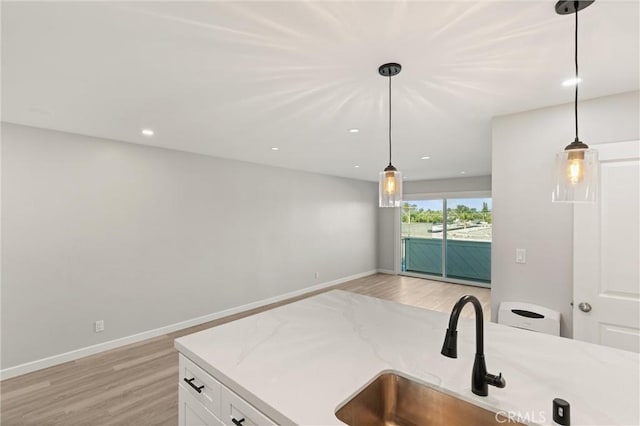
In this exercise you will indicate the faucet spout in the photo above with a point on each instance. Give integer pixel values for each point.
(480, 379)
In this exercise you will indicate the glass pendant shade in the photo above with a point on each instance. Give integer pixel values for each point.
(390, 188)
(576, 176)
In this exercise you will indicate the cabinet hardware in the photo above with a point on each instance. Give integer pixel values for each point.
(237, 422)
(197, 388)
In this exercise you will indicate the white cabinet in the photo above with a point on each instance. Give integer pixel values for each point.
(236, 411)
(191, 412)
(200, 385)
(203, 401)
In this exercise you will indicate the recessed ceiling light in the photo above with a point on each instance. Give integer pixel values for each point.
(147, 132)
(571, 81)
(275, 148)
(357, 167)
(354, 130)
(425, 158)
(463, 172)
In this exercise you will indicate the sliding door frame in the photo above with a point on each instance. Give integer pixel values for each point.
(398, 234)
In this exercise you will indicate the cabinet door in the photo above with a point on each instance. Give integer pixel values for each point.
(235, 411)
(200, 385)
(191, 412)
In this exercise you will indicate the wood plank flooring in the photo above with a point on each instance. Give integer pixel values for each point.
(137, 384)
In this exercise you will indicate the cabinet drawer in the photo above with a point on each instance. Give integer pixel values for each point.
(200, 385)
(191, 412)
(235, 408)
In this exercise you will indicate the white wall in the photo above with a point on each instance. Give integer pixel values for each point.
(448, 186)
(387, 219)
(524, 147)
(386, 240)
(143, 237)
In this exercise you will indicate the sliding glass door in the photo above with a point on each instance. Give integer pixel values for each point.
(448, 238)
(422, 237)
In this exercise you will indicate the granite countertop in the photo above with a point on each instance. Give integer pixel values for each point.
(300, 362)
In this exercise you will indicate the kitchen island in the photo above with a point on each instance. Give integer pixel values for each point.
(299, 363)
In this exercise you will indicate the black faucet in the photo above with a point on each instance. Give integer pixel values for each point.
(480, 379)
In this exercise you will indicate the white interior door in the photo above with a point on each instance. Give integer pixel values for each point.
(606, 253)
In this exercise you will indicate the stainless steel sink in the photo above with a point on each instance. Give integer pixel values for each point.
(397, 401)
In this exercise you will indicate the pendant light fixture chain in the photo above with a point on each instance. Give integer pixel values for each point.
(576, 171)
(575, 104)
(566, 7)
(389, 70)
(389, 119)
(390, 179)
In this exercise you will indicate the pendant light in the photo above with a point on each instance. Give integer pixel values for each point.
(390, 187)
(576, 170)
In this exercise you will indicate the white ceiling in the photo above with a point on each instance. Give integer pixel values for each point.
(234, 79)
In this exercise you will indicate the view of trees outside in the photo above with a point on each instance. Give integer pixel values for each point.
(467, 219)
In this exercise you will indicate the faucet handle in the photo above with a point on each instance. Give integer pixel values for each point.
(497, 381)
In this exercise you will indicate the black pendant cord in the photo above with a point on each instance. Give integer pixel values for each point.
(389, 70)
(576, 60)
(566, 7)
(389, 119)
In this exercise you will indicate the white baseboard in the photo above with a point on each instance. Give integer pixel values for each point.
(39, 364)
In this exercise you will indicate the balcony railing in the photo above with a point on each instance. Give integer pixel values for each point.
(466, 260)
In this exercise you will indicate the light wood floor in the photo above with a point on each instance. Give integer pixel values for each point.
(137, 384)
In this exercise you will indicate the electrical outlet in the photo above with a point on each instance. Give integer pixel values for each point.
(99, 326)
(521, 255)
(317, 275)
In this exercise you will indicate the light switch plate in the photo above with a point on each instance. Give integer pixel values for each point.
(521, 255)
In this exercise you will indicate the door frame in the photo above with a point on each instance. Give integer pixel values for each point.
(398, 233)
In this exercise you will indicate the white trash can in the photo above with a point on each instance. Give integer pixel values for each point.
(530, 317)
